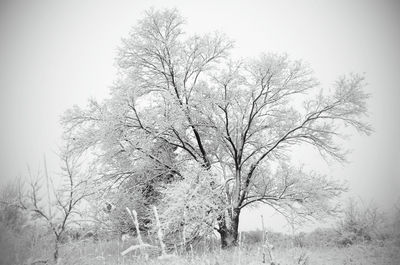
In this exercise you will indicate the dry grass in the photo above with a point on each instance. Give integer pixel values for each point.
(108, 253)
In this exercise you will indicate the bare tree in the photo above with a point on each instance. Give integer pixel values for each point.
(62, 204)
(238, 120)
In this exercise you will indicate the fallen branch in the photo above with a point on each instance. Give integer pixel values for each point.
(134, 247)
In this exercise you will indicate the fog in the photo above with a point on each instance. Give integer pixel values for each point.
(57, 54)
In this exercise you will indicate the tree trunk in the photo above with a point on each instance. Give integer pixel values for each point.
(55, 255)
(229, 229)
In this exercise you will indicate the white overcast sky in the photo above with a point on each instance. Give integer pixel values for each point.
(54, 54)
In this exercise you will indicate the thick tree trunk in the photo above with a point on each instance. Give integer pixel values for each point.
(229, 229)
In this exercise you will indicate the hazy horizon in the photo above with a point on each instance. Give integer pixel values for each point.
(57, 54)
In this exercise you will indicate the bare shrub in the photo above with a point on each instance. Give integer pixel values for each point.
(360, 223)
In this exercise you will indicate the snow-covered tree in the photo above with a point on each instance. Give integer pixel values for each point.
(183, 102)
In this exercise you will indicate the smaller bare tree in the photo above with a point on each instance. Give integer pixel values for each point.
(63, 203)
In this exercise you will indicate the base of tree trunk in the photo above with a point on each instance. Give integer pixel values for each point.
(229, 239)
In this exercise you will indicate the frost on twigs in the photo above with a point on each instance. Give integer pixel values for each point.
(164, 255)
(298, 192)
(191, 206)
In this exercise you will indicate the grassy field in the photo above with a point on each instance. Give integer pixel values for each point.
(108, 253)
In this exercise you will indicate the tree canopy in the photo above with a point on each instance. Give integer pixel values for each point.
(183, 110)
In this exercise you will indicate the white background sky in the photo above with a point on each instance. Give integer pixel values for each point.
(54, 54)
